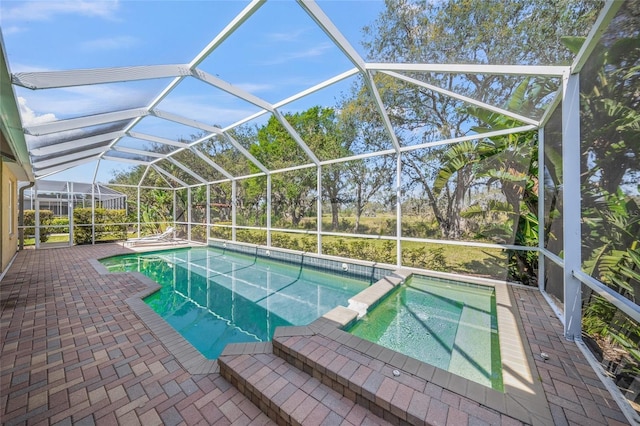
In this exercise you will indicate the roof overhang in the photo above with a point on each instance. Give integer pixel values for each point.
(13, 147)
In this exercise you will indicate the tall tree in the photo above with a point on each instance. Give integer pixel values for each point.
(292, 192)
(463, 31)
(367, 176)
(325, 135)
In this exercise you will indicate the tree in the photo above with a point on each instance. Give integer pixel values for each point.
(510, 161)
(464, 31)
(292, 192)
(366, 133)
(328, 138)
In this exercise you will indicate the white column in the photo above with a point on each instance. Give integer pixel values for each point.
(36, 219)
(206, 238)
(189, 207)
(175, 206)
(234, 210)
(541, 223)
(268, 210)
(571, 205)
(398, 208)
(93, 213)
(70, 211)
(138, 208)
(319, 207)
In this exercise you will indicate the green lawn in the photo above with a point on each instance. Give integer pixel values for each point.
(54, 238)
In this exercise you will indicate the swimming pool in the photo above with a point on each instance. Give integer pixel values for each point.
(213, 296)
(447, 324)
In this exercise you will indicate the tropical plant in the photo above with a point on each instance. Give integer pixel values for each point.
(510, 161)
(470, 31)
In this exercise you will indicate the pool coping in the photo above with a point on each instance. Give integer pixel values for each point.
(523, 397)
(185, 353)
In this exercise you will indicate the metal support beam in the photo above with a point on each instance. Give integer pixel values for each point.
(93, 214)
(232, 90)
(463, 98)
(156, 139)
(186, 170)
(211, 163)
(77, 144)
(70, 197)
(138, 152)
(175, 206)
(319, 208)
(296, 137)
(44, 172)
(246, 153)
(138, 211)
(84, 77)
(534, 70)
(189, 217)
(323, 21)
(541, 218)
(572, 241)
(234, 209)
(168, 175)
(370, 83)
(398, 209)
(269, 210)
(86, 121)
(206, 238)
(37, 219)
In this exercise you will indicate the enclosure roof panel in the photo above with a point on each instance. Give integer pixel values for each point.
(122, 87)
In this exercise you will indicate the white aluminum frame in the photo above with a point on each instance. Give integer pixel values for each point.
(72, 152)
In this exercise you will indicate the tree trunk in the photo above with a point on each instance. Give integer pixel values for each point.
(335, 206)
(359, 208)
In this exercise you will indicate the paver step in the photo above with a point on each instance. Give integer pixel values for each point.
(369, 382)
(288, 395)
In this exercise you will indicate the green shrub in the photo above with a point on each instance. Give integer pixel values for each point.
(46, 218)
(109, 225)
(199, 233)
(60, 221)
(422, 257)
(221, 233)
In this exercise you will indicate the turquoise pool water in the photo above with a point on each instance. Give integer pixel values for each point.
(451, 326)
(213, 297)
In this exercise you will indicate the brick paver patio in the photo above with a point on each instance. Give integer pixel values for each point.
(74, 352)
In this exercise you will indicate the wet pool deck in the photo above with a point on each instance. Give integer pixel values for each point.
(77, 350)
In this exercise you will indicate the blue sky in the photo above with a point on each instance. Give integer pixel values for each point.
(277, 53)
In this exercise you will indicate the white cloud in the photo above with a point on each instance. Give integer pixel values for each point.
(113, 43)
(46, 10)
(288, 36)
(194, 107)
(13, 29)
(87, 100)
(254, 87)
(319, 50)
(29, 117)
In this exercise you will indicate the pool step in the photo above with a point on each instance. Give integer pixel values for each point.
(286, 394)
(473, 338)
(395, 394)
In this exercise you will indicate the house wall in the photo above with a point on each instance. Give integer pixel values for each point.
(8, 215)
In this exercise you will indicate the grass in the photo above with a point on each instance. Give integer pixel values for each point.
(476, 261)
(458, 259)
(53, 238)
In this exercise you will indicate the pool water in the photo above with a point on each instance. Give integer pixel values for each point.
(448, 325)
(213, 296)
